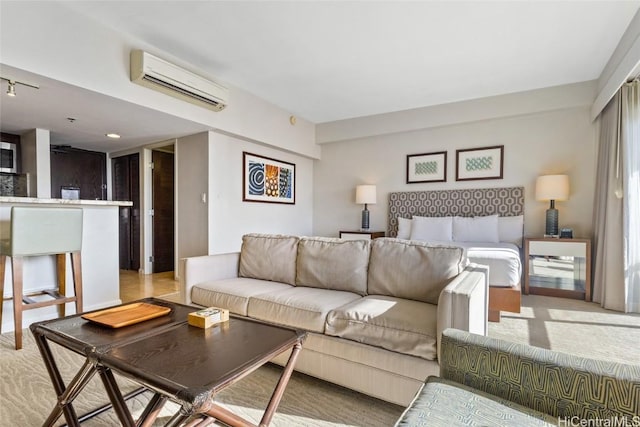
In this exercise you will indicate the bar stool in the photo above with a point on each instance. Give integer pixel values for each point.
(37, 231)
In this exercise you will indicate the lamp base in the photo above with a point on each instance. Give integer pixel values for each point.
(365, 219)
(551, 227)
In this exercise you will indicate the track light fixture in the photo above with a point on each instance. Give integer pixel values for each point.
(11, 88)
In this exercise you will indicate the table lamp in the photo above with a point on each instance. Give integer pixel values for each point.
(365, 195)
(552, 188)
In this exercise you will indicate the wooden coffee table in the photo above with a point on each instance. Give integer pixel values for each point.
(178, 362)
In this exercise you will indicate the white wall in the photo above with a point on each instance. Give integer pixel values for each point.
(210, 214)
(556, 141)
(510, 105)
(192, 181)
(230, 217)
(35, 146)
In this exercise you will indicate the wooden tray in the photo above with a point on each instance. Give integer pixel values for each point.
(125, 315)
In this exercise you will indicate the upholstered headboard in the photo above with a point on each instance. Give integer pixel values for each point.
(508, 201)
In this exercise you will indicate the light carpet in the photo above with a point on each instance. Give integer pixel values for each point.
(27, 396)
(572, 326)
(576, 327)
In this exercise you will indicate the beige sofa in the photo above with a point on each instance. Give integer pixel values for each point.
(374, 310)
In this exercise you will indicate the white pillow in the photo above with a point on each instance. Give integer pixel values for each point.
(404, 228)
(476, 229)
(431, 228)
(510, 229)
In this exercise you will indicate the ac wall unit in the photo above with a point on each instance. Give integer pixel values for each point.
(153, 72)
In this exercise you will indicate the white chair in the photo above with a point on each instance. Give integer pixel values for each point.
(37, 231)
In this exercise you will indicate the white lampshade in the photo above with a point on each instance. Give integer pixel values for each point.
(552, 187)
(366, 194)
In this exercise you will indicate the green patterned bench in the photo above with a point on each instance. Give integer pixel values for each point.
(490, 382)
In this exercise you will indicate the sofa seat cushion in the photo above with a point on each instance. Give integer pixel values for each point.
(298, 307)
(445, 403)
(396, 324)
(232, 294)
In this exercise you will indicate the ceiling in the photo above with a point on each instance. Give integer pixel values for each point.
(82, 118)
(330, 60)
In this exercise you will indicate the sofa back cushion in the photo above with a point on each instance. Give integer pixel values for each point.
(333, 264)
(269, 257)
(412, 270)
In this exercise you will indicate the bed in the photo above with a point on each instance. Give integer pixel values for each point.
(472, 215)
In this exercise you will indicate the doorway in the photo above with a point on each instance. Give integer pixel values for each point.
(126, 186)
(163, 196)
(157, 202)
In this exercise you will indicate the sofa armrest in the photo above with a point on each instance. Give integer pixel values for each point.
(555, 383)
(463, 303)
(206, 268)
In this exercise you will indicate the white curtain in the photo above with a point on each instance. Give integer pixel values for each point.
(616, 279)
(630, 124)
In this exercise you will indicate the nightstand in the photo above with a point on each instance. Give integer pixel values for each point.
(361, 235)
(558, 267)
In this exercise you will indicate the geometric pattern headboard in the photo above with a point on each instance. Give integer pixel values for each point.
(508, 201)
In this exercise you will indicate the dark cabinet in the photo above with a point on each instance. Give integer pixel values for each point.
(72, 168)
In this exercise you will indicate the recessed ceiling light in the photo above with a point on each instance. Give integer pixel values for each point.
(112, 135)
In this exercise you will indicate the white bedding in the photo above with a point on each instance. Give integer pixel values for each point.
(503, 259)
(479, 237)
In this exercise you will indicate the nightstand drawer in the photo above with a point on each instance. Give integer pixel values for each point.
(361, 235)
(558, 248)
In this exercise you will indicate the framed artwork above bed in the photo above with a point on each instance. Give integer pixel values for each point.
(479, 163)
(427, 167)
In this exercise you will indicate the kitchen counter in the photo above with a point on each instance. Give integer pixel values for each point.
(33, 200)
(100, 258)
